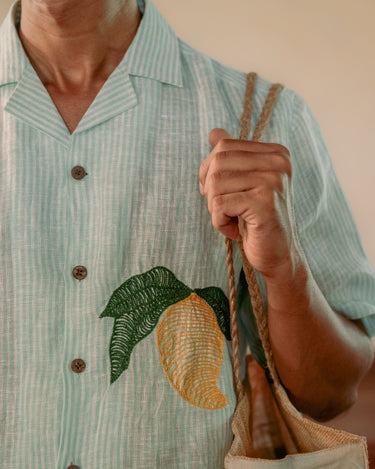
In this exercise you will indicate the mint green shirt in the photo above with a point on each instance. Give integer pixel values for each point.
(125, 363)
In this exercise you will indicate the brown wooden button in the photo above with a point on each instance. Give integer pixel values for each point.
(78, 172)
(79, 272)
(78, 365)
(72, 466)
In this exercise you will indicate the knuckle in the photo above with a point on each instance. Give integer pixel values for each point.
(221, 156)
(203, 166)
(284, 151)
(222, 144)
(281, 150)
(202, 170)
(217, 162)
(217, 166)
(216, 179)
(217, 203)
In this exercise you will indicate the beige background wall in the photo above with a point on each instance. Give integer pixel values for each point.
(323, 49)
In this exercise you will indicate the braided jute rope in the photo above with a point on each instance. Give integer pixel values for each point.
(253, 286)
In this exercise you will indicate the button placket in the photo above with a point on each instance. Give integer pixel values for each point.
(75, 361)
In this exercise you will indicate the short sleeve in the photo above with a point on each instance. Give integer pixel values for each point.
(326, 230)
(325, 225)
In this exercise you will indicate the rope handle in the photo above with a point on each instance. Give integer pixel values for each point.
(252, 282)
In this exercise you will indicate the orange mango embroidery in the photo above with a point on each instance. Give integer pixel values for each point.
(190, 336)
(191, 350)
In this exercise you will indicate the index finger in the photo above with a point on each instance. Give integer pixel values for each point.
(227, 144)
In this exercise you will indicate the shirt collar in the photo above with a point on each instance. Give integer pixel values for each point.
(12, 56)
(154, 52)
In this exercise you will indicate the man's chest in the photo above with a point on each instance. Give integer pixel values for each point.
(137, 206)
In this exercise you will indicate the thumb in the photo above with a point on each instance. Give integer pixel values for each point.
(217, 134)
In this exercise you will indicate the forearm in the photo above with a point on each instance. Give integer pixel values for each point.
(320, 355)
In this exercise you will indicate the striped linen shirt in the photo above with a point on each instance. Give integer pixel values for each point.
(114, 348)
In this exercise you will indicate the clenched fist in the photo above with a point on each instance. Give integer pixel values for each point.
(248, 190)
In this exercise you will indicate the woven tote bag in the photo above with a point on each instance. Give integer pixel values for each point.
(269, 432)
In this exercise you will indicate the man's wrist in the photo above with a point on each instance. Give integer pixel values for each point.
(289, 286)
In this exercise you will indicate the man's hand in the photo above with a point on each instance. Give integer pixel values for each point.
(320, 355)
(247, 186)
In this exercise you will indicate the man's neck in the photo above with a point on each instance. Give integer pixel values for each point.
(75, 45)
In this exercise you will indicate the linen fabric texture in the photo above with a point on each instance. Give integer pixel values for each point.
(141, 143)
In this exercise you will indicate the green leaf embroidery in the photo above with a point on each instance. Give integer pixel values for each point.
(219, 304)
(156, 287)
(138, 304)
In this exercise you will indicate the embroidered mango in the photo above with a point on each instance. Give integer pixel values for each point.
(191, 350)
(190, 334)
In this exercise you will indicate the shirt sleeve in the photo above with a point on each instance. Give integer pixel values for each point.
(326, 231)
(325, 225)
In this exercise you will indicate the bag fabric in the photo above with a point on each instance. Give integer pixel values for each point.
(269, 432)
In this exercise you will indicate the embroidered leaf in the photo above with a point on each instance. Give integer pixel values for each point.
(125, 338)
(191, 351)
(136, 306)
(219, 304)
(157, 287)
